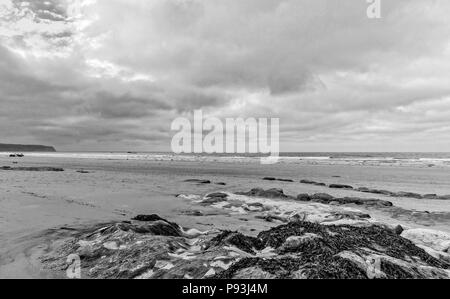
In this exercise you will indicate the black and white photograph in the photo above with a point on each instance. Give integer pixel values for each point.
(220, 141)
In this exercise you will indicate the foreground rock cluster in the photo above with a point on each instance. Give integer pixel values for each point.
(151, 247)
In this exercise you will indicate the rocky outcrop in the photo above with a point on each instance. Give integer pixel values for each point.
(152, 247)
(379, 191)
(25, 148)
(325, 198)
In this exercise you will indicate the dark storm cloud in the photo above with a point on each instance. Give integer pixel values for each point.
(126, 69)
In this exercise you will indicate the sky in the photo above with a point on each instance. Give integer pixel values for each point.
(112, 75)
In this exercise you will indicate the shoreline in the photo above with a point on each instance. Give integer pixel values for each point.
(91, 191)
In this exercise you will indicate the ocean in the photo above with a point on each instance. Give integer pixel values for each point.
(314, 158)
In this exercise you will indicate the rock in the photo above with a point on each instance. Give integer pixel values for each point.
(307, 182)
(244, 243)
(312, 183)
(365, 201)
(407, 194)
(194, 213)
(214, 198)
(271, 193)
(430, 196)
(269, 179)
(148, 218)
(285, 180)
(349, 215)
(82, 171)
(375, 191)
(256, 205)
(296, 243)
(221, 184)
(271, 218)
(198, 181)
(49, 169)
(322, 197)
(398, 230)
(160, 250)
(254, 273)
(439, 241)
(218, 194)
(307, 250)
(339, 186)
(303, 197)
(330, 200)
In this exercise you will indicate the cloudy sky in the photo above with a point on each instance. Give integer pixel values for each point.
(113, 74)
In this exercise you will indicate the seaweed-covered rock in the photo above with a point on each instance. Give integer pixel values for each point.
(307, 250)
(244, 243)
(156, 248)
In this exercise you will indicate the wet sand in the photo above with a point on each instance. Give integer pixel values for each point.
(95, 191)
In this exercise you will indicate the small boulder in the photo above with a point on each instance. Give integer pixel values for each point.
(398, 230)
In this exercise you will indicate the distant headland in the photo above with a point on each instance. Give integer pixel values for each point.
(25, 148)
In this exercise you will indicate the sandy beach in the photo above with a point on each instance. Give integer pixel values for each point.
(36, 206)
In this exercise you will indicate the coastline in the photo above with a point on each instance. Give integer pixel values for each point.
(92, 191)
